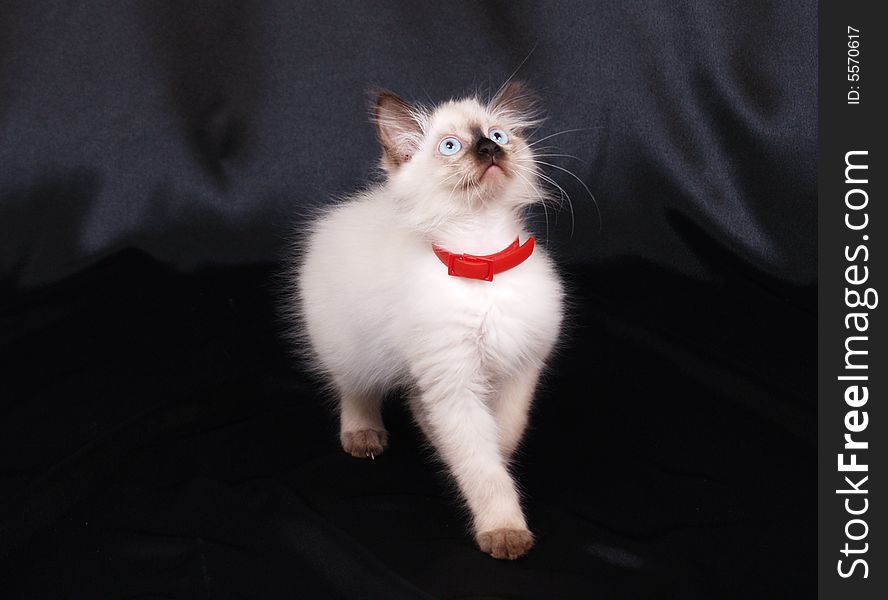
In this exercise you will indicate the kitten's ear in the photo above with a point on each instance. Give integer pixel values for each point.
(518, 105)
(398, 127)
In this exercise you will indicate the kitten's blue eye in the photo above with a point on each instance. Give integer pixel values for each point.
(499, 136)
(449, 146)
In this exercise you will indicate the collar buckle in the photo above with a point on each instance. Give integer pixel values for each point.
(469, 266)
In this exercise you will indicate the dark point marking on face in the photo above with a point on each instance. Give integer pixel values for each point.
(488, 150)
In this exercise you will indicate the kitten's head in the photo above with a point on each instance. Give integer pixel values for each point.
(463, 154)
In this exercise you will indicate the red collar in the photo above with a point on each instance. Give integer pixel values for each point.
(485, 267)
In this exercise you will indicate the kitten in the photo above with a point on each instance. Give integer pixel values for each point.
(386, 300)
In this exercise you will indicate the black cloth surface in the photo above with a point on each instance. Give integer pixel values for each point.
(158, 441)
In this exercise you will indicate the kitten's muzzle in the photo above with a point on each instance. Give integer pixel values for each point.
(487, 148)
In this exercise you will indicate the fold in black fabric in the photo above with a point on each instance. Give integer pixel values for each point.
(158, 441)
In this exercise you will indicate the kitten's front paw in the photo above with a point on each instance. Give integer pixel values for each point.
(506, 543)
(367, 443)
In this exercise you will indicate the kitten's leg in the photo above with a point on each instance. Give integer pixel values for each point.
(361, 430)
(512, 407)
(462, 429)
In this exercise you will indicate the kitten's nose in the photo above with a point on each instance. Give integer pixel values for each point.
(487, 147)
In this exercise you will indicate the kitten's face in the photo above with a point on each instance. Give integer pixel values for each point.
(471, 148)
(464, 153)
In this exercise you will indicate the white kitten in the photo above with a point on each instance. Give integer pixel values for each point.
(380, 310)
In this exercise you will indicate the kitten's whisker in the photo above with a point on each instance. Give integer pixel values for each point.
(540, 151)
(476, 189)
(451, 176)
(534, 143)
(456, 185)
(562, 156)
(583, 183)
(515, 72)
(537, 173)
(564, 195)
(542, 200)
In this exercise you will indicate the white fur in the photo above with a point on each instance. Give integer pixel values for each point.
(380, 310)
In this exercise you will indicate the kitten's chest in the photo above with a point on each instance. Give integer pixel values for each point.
(505, 323)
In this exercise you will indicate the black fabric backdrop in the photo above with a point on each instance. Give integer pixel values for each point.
(155, 438)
